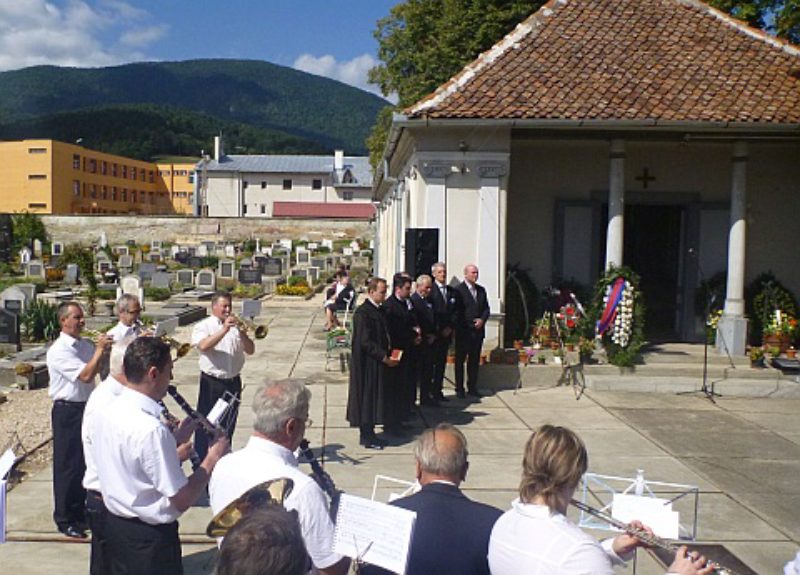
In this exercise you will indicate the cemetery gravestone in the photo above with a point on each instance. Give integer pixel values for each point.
(246, 263)
(185, 278)
(146, 271)
(273, 267)
(286, 243)
(35, 269)
(182, 258)
(192, 251)
(327, 244)
(259, 261)
(122, 250)
(250, 276)
(347, 251)
(155, 257)
(202, 251)
(195, 262)
(313, 246)
(230, 251)
(29, 290)
(14, 299)
(130, 285)
(37, 248)
(226, 269)
(303, 257)
(155, 245)
(174, 251)
(206, 280)
(312, 275)
(160, 280)
(251, 308)
(319, 262)
(25, 255)
(71, 274)
(125, 262)
(9, 327)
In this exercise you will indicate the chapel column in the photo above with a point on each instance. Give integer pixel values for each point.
(491, 224)
(616, 204)
(436, 202)
(399, 260)
(732, 327)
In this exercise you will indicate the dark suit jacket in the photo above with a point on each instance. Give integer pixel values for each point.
(451, 534)
(445, 309)
(426, 318)
(472, 308)
(401, 322)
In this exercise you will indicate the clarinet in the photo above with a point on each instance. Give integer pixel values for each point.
(173, 423)
(321, 477)
(212, 431)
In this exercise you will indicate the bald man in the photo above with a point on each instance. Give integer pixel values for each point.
(451, 534)
(470, 331)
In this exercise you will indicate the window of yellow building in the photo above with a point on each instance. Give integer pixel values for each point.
(76, 188)
(37, 150)
(37, 177)
(76, 161)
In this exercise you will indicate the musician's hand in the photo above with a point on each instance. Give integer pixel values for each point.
(185, 430)
(689, 564)
(185, 451)
(626, 543)
(229, 322)
(218, 449)
(104, 342)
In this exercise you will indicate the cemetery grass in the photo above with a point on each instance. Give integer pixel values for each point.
(25, 425)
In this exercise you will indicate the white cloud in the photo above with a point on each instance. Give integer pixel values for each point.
(82, 33)
(353, 72)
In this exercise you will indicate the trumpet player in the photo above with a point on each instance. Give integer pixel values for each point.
(222, 341)
(73, 363)
(129, 308)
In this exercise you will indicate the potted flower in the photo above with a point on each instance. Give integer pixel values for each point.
(774, 352)
(791, 353)
(780, 330)
(756, 357)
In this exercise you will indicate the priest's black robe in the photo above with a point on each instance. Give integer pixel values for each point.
(370, 345)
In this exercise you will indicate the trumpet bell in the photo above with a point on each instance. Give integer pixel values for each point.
(268, 493)
(261, 331)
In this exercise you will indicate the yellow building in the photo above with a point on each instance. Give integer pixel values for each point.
(177, 179)
(50, 177)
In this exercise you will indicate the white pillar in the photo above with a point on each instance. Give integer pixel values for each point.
(399, 262)
(732, 327)
(376, 251)
(488, 248)
(616, 204)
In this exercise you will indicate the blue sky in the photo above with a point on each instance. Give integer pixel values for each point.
(327, 37)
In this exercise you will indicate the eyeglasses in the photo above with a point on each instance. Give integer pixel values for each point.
(133, 311)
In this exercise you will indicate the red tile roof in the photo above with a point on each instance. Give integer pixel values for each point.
(667, 60)
(355, 210)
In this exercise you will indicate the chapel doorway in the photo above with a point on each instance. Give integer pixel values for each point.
(653, 240)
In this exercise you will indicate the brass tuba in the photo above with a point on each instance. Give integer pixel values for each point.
(181, 348)
(268, 493)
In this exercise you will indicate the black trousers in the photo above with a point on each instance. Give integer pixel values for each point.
(425, 354)
(212, 389)
(137, 548)
(97, 514)
(468, 347)
(439, 359)
(68, 463)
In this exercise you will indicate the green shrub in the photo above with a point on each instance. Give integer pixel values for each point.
(297, 281)
(40, 321)
(156, 294)
(247, 291)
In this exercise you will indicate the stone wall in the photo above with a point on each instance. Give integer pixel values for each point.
(177, 229)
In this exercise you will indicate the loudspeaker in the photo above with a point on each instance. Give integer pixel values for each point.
(422, 250)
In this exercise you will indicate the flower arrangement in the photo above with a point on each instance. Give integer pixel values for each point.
(618, 311)
(781, 324)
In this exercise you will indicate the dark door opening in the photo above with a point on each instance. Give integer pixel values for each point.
(652, 249)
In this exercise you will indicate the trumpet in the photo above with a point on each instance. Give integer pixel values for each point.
(260, 331)
(181, 348)
(651, 540)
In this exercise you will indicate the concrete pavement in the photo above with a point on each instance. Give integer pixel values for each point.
(743, 453)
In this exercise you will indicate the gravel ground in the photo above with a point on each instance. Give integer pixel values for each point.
(25, 424)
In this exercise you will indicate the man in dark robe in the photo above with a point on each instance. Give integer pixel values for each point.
(404, 334)
(369, 365)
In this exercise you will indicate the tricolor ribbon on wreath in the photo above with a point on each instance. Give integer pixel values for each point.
(615, 293)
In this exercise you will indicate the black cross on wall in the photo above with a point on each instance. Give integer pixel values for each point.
(645, 178)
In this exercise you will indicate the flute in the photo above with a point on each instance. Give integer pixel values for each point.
(211, 430)
(321, 477)
(641, 534)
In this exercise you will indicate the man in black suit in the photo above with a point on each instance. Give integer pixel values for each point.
(444, 299)
(369, 366)
(451, 534)
(426, 319)
(470, 330)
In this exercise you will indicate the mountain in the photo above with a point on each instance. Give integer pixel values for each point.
(259, 106)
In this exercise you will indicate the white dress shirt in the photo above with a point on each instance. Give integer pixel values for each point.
(121, 331)
(263, 460)
(66, 359)
(136, 459)
(529, 539)
(226, 360)
(98, 403)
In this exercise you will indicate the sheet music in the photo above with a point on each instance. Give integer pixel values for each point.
(374, 532)
(7, 461)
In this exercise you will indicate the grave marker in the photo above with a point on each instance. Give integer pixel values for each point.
(160, 280)
(9, 327)
(226, 269)
(71, 274)
(250, 276)
(273, 267)
(185, 278)
(146, 271)
(206, 280)
(35, 269)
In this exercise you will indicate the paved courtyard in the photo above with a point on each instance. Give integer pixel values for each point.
(743, 453)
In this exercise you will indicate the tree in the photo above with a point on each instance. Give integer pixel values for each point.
(26, 228)
(778, 17)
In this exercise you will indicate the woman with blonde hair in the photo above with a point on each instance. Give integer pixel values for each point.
(535, 536)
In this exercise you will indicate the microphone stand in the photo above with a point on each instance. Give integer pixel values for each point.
(710, 298)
